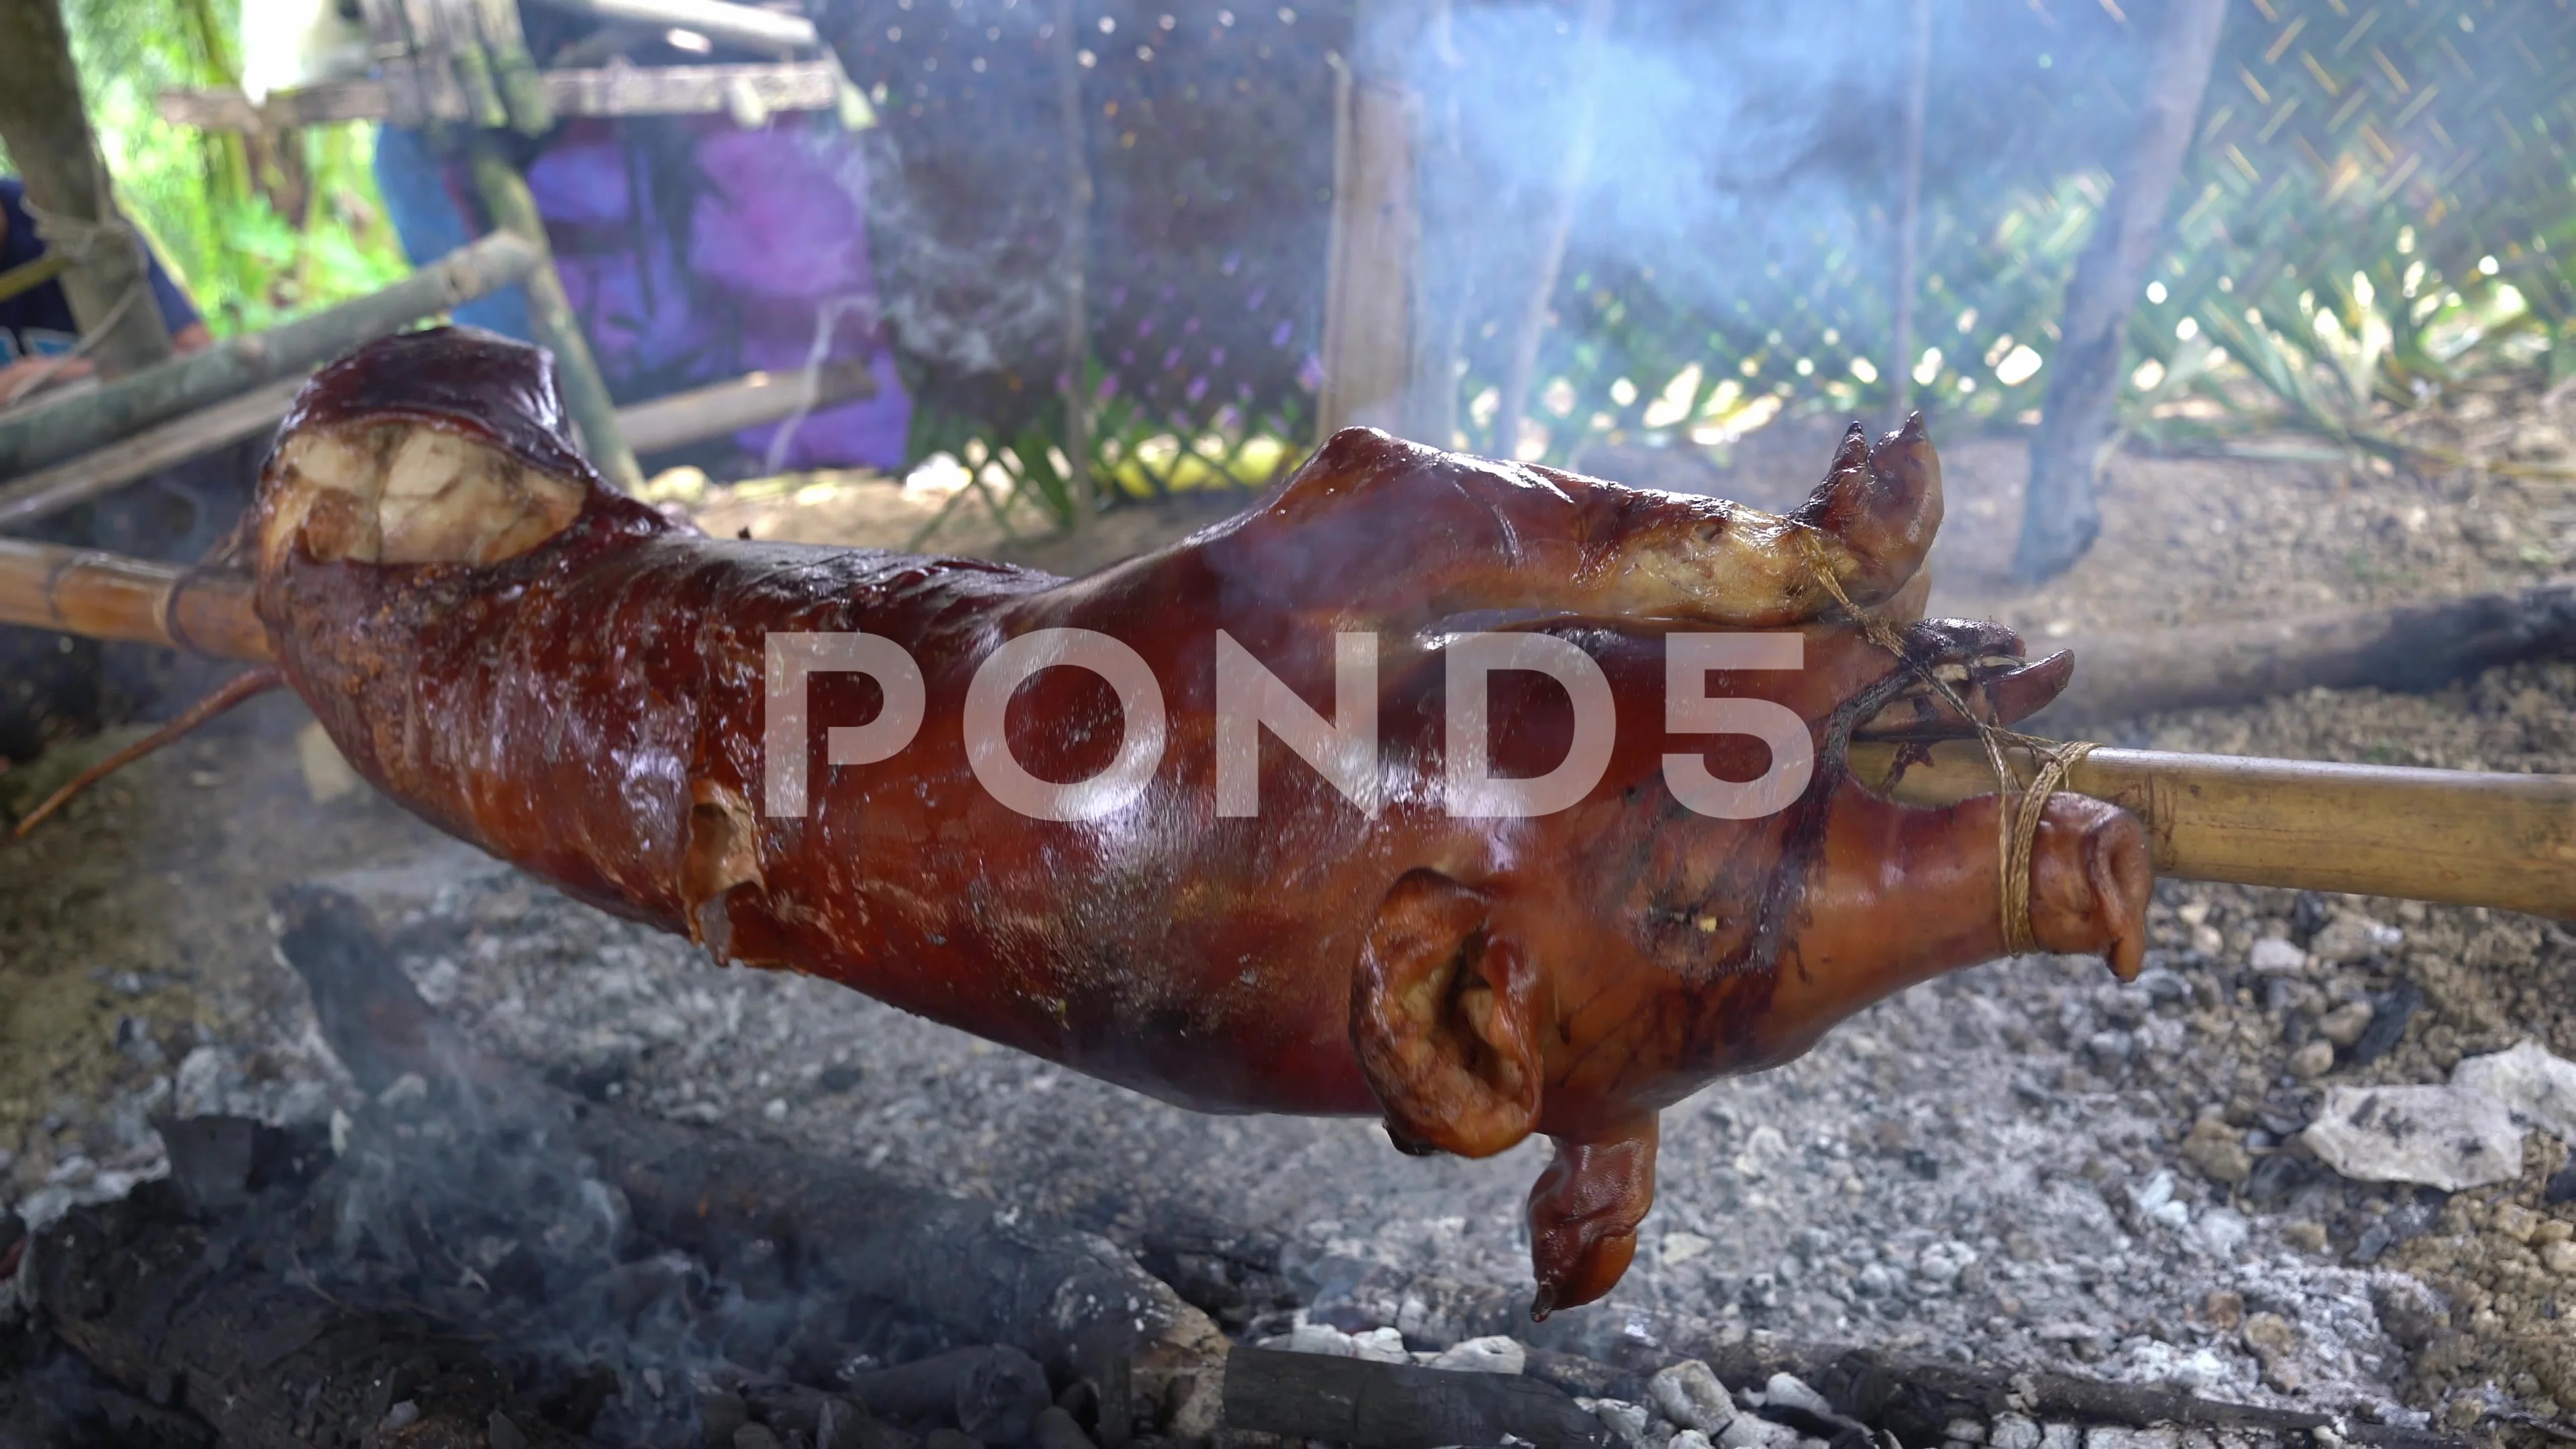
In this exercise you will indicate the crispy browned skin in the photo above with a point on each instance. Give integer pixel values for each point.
(585, 698)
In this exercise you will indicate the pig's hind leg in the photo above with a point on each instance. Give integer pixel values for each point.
(1376, 529)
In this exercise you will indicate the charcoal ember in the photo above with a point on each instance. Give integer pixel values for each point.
(162, 1306)
(2277, 1178)
(993, 1393)
(210, 1161)
(2562, 1187)
(1583, 1377)
(796, 1412)
(1230, 1274)
(2389, 1014)
(720, 1413)
(1056, 1429)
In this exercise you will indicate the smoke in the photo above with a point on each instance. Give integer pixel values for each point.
(1744, 159)
(971, 299)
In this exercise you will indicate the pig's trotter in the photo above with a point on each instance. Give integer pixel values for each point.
(1583, 1214)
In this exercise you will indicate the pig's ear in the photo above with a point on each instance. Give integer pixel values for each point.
(1446, 1015)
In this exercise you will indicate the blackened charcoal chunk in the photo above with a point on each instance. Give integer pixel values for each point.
(1057, 1430)
(2562, 1188)
(995, 1394)
(720, 1413)
(2275, 1178)
(2389, 1014)
(210, 1161)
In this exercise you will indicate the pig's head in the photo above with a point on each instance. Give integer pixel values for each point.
(1726, 893)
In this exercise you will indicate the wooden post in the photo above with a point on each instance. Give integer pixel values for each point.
(1909, 210)
(1376, 228)
(2059, 517)
(48, 135)
(1520, 374)
(1079, 487)
(507, 200)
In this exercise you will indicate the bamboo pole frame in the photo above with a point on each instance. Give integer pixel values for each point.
(513, 209)
(54, 432)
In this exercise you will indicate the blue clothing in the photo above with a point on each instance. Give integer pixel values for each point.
(38, 322)
(432, 222)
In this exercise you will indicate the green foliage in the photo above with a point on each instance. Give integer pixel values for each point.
(210, 203)
(2379, 202)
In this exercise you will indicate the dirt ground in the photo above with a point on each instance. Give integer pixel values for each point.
(2025, 1163)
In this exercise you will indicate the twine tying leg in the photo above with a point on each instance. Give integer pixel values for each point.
(2017, 827)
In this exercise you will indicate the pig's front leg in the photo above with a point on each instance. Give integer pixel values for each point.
(1584, 1212)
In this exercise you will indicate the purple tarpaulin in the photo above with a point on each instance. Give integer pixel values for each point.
(696, 251)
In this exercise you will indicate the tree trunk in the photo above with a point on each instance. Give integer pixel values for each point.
(47, 133)
(2412, 647)
(2059, 516)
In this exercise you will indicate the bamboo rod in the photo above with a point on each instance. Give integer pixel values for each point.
(513, 209)
(106, 596)
(666, 422)
(62, 430)
(2459, 837)
(49, 491)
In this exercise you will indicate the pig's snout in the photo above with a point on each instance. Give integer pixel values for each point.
(2090, 876)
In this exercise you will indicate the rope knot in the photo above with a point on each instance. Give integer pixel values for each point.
(2017, 828)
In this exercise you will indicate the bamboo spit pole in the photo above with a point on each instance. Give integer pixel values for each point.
(107, 596)
(2458, 837)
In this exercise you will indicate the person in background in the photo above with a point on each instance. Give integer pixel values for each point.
(36, 326)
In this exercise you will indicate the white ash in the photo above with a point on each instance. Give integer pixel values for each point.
(1986, 1169)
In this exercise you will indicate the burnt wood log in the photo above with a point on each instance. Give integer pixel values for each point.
(1396, 1406)
(1069, 1300)
(995, 1394)
(156, 1303)
(2414, 647)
